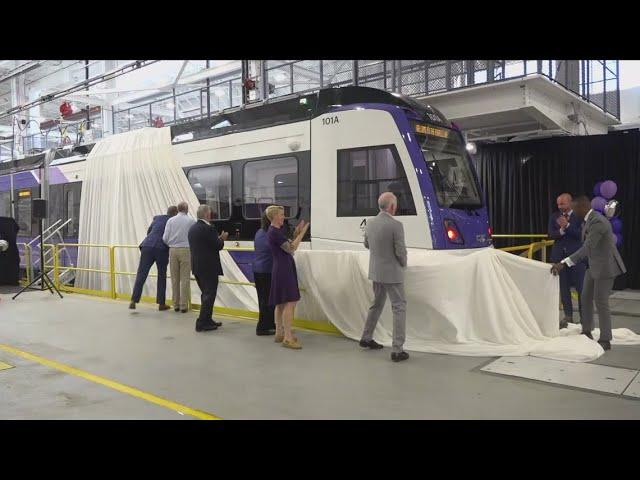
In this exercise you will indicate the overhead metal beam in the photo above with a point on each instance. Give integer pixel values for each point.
(80, 86)
(25, 67)
(175, 82)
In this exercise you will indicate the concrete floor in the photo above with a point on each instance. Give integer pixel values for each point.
(233, 374)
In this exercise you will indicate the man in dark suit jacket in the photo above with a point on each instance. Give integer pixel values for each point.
(154, 250)
(565, 228)
(605, 264)
(10, 258)
(205, 245)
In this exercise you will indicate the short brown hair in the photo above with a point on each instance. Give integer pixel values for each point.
(264, 221)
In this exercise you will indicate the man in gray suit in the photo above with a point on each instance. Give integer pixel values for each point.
(384, 237)
(605, 264)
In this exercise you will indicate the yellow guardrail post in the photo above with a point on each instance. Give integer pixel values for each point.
(56, 267)
(112, 270)
(27, 254)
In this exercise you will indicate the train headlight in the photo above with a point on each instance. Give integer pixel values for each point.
(453, 233)
(471, 148)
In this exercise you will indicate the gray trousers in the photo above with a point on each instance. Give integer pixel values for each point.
(598, 290)
(398, 307)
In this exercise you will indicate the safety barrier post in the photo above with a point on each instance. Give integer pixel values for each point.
(56, 267)
(112, 270)
(27, 254)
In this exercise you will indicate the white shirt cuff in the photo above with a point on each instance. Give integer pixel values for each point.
(567, 261)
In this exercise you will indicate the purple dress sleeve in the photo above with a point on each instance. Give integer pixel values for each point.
(276, 237)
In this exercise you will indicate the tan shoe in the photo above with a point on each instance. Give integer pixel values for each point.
(278, 338)
(294, 344)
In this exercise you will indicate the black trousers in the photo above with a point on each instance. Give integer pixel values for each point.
(266, 320)
(209, 287)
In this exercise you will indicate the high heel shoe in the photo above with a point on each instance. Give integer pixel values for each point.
(293, 344)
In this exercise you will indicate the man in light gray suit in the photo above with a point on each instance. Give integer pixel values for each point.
(384, 237)
(605, 264)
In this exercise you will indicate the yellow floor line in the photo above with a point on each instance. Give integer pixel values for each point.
(217, 314)
(111, 384)
(5, 366)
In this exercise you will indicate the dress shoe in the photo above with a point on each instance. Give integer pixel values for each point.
(163, 307)
(176, 309)
(206, 327)
(587, 334)
(372, 344)
(604, 344)
(132, 305)
(294, 344)
(398, 357)
(184, 311)
(563, 324)
(264, 333)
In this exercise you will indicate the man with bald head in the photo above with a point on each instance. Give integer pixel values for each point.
(384, 237)
(565, 227)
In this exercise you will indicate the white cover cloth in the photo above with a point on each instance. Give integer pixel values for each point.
(475, 302)
(482, 303)
(130, 178)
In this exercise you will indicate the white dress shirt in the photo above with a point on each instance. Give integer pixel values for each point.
(563, 229)
(567, 261)
(175, 233)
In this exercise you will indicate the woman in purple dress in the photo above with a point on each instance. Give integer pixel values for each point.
(284, 278)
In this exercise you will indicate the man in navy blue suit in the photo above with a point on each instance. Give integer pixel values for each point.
(154, 250)
(565, 227)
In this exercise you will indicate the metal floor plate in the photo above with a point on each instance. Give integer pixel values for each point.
(633, 390)
(600, 378)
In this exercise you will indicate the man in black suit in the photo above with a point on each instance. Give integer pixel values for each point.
(9, 258)
(205, 245)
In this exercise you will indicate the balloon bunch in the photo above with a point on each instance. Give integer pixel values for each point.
(604, 203)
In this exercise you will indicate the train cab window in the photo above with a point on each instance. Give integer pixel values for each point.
(270, 182)
(212, 185)
(365, 173)
(449, 169)
(23, 210)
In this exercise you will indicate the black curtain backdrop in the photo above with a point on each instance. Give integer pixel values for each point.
(521, 181)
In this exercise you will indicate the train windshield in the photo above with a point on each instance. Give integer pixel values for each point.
(448, 166)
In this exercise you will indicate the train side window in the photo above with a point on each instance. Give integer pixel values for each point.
(267, 182)
(212, 185)
(365, 173)
(5, 204)
(72, 207)
(56, 203)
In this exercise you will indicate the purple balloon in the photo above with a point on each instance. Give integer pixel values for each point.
(616, 225)
(596, 189)
(598, 203)
(618, 239)
(608, 189)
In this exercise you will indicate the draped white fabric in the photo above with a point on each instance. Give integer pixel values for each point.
(481, 303)
(130, 178)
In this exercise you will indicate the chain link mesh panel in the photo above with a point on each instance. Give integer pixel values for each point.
(371, 73)
(337, 73)
(306, 75)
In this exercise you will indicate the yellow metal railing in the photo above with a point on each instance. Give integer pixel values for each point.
(27, 260)
(528, 250)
